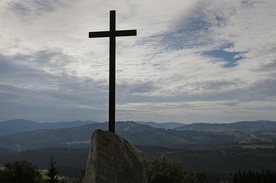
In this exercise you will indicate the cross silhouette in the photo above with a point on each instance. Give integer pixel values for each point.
(112, 34)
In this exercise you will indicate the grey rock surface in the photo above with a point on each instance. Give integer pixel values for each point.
(113, 159)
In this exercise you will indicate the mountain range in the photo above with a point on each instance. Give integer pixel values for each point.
(217, 149)
(138, 133)
(20, 125)
(242, 126)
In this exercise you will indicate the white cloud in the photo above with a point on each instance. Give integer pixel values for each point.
(162, 74)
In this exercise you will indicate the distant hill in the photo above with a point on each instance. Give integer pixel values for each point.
(168, 125)
(243, 126)
(139, 134)
(62, 137)
(21, 125)
(79, 137)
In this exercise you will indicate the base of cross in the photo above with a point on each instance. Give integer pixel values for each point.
(111, 126)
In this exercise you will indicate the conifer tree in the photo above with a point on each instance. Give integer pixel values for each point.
(52, 174)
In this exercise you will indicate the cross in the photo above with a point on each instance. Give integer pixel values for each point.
(112, 34)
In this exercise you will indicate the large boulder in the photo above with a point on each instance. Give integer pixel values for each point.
(113, 159)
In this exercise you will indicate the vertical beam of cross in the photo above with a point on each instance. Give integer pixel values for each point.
(112, 72)
(112, 34)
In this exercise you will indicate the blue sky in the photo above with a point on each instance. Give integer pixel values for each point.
(192, 61)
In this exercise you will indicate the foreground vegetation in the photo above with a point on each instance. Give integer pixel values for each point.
(218, 162)
(25, 172)
(164, 170)
(20, 172)
(264, 176)
(158, 169)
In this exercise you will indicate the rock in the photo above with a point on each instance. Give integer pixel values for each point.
(113, 159)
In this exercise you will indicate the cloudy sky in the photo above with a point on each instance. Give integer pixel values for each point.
(192, 60)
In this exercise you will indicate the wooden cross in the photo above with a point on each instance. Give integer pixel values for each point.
(112, 34)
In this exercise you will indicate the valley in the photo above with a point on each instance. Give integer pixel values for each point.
(218, 153)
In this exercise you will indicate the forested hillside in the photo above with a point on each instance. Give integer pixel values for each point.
(79, 137)
(215, 152)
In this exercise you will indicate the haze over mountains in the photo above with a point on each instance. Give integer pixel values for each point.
(20, 125)
(242, 126)
(23, 135)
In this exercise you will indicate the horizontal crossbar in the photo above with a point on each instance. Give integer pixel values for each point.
(125, 33)
(118, 33)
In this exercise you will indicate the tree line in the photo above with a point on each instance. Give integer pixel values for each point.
(264, 176)
(164, 170)
(25, 172)
(158, 169)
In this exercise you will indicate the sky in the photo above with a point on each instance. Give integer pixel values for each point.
(191, 61)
